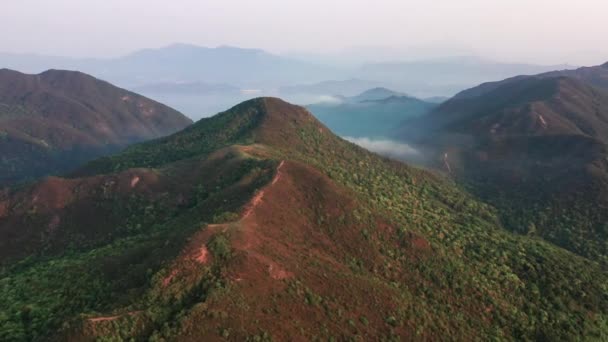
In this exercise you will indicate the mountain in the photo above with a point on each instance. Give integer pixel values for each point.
(535, 147)
(224, 64)
(373, 113)
(57, 120)
(260, 224)
(376, 94)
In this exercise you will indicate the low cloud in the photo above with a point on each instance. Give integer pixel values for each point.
(386, 147)
(327, 99)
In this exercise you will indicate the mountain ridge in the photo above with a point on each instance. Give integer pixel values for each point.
(596, 76)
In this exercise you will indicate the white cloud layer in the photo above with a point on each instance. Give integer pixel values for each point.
(386, 147)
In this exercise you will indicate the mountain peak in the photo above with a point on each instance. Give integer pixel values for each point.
(377, 93)
(283, 109)
(264, 120)
(56, 76)
(273, 108)
(605, 65)
(379, 90)
(277, 122)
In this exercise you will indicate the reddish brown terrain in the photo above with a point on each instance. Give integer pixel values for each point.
(55, 121)
(260, 224)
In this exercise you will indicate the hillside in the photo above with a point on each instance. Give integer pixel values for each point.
(373, 113)
(536, 147)
(260, 224)
(55, 121)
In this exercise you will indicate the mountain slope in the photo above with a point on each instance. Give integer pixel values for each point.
(537, 148)
(261, 224)
(57, 120)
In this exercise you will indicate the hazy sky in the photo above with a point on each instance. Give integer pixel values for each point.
(541, 31)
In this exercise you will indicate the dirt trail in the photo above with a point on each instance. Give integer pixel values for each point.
(134, 181)
(103, 319)
(251, 239)
(112, 318)
(203, 255)
(247, 239)
(257, 199)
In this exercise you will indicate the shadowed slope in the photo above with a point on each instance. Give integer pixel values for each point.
(57, 120)
(537, 148)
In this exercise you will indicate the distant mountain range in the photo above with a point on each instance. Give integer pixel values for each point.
(257, 69)
(57, 120)
(376, 94)
(375, 113)
(350, 87)
(534, 146)
(184, 63)
(200, 81)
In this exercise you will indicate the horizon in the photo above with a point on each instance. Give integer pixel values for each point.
(350, 29)
(316, 58)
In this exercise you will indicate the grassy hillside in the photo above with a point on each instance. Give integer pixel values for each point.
(261, 224)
